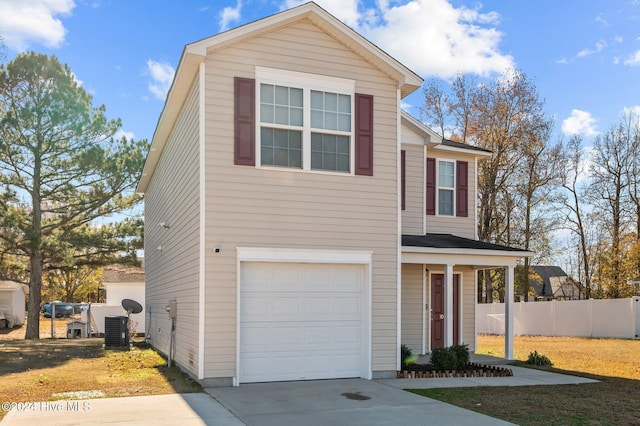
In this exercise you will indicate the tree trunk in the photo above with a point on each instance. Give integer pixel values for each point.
(35, 255)
(35, 297)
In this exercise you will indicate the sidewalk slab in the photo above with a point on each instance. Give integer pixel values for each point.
(194, 409)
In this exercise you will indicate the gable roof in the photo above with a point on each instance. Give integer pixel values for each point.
(546, 273)
(416, 125)
(436, 141)
(194, 54)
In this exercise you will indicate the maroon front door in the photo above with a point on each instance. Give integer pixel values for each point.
(438, 314)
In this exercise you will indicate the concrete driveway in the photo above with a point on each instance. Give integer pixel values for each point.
(339, 402)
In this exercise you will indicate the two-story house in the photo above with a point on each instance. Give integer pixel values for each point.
(302, 224)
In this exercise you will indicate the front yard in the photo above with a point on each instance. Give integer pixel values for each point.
(47, 369)
(614, 401)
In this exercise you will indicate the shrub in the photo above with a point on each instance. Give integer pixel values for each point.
(538, 359)
(406, 355)
(444, 359)
(462, 355)
(452, 358)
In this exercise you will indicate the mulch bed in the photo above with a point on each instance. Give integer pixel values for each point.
(425, 371)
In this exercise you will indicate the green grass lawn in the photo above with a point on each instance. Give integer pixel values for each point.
(613, 401)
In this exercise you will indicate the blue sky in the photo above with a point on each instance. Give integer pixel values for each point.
(583, 55)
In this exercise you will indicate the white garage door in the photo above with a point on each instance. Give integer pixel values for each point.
(301, 321)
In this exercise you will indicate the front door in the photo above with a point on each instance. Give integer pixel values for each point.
(438, 313)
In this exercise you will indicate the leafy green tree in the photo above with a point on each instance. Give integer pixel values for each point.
(60, 169)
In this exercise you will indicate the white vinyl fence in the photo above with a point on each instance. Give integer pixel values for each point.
(585, 318)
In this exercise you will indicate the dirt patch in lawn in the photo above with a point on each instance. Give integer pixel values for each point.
(47, 369)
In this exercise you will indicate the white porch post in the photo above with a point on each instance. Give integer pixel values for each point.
(448, 311)
(508, 313)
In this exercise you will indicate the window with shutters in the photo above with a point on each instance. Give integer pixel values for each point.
(304, 121)
(447, 187)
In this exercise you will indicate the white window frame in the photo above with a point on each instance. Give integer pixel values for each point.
(306, 82)
(439, 187)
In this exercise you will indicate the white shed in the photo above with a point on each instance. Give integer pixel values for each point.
(122, 282)
(12, 303)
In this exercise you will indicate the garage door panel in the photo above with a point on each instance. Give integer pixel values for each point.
(301, 321)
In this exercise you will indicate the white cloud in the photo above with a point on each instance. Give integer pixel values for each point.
(26, 22)
(633, 60)
(599, 47)
(161, 77)
(123, 133)
(230, 15)
(579, 123)
(432, 37)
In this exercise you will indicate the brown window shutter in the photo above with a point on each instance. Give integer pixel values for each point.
(431, 186)
(364, 134)
(244, 122)
(403, 178)
(462, 188)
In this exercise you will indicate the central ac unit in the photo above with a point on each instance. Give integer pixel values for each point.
(116, 332)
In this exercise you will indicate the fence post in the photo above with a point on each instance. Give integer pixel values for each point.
(636, 314)
(590, 315)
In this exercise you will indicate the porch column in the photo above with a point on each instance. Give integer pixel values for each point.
(448, 311)
(508, 313)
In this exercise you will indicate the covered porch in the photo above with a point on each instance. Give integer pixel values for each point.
(439, 289)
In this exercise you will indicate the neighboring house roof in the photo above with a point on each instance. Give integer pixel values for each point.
(122, 274)
(546, 273)
(193, 55)
(449, 241)
(12, 285)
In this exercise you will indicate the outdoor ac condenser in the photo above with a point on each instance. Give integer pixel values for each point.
(115, 331)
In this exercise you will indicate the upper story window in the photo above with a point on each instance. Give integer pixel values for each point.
(305, 121)
(281, 110)
(446, 187)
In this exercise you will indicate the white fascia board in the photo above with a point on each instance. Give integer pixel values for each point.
(430, 135)
(295, 255)
(475, 153)
(188, 69)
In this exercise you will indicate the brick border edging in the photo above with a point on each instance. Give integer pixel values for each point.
(476, 370)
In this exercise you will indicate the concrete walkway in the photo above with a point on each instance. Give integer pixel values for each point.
(318, 402)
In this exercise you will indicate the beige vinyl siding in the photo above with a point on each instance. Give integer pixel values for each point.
(172, 273)
(412, 307)
(260, 207)
(413, 215)
(460, 226)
